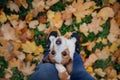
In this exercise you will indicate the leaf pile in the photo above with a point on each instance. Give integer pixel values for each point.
(25, 25)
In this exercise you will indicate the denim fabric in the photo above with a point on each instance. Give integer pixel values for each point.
(47, 71)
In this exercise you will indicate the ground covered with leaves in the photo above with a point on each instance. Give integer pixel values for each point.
(25, 25)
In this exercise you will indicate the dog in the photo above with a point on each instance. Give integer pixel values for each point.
(61, 54)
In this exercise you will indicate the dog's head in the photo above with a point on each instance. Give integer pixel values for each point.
(61, 50)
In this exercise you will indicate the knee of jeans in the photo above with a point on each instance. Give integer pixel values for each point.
(45, 70)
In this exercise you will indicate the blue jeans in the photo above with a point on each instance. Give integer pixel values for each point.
(47, 71)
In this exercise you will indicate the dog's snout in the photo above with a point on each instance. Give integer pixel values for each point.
(58, 41)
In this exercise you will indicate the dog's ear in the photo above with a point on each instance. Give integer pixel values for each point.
(73, 40)
(51, 38)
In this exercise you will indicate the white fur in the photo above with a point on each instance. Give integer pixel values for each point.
(66, 44)
(60, 68)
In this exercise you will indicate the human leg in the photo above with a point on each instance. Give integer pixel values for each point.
(45, 71)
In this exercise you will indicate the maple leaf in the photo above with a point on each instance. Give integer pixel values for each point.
(13, 6)
(89, 45)
(105, 13)
(8, 32)
(27, 68)
(38, 3)
(57, 20)
(104, 54)
(13, 17)
(114, 47)
(33, 24)
(51, 2)
(84, 29)
(30, 47)
(3, 17)
(91, 59)
(94, 26)
(21, 56)
(114, 31)
(21, 2)
(14, 62)
(41, 27)
(82, 9)
(8, 73)
(100, 72)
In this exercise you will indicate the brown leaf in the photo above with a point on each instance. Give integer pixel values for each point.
(8, 32)
(27, 68)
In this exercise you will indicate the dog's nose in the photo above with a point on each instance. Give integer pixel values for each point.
(58, 41)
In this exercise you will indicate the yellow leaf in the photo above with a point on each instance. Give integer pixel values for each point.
(30, 47)
(50, 14)
(12, 17)
(39, 50)
(89, 69)
(3, 17)
(113, 47)
(104, 41)
(106, 13)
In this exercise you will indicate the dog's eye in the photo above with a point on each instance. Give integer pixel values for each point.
(64, 53)
(53, 52)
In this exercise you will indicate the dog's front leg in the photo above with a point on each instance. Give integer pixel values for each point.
(62, 72)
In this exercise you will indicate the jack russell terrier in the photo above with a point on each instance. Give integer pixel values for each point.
(61, 54)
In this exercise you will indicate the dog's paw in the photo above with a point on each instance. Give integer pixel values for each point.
(62, 72)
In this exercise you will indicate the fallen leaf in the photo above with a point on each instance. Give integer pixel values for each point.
(91, 59)
(3, 17)
(105, 13)
(33, 24)
(14, 62)
(27, 68)
(94, 26)
(114, 47)
(103, 54)
(57, 20)
(41, 27)
(30, 47)
(82, 9)
(100, 72)
(84, 29)
(8, 32)
(12, 6)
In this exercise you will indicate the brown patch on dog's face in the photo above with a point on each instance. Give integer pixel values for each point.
(50, 57)
(65, 56)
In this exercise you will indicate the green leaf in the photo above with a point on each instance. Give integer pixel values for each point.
(3, 66)
(17, 75)
(102, 63)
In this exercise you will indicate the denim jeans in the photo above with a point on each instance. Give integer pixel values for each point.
(47, 71)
